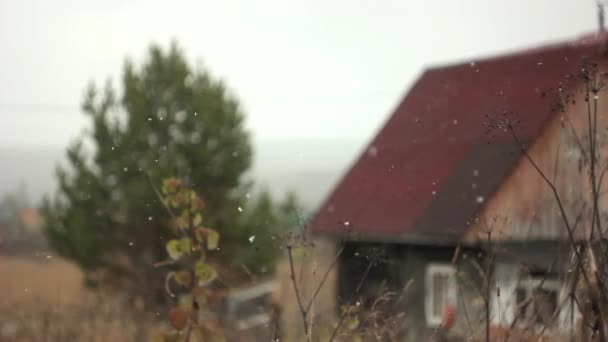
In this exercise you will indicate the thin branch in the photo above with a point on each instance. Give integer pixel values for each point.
(298, 294)
(537, 288)
(488, 275)
(325, 276)
(465, 311)
(553, 316)
(347, 311)
(164, 263)
(541, 283)
(592, 131)
(580, 308)
(577, 139)
(158, 195)
(555, 194)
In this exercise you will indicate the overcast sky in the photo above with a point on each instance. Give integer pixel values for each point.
(316, 77)
(306, 69)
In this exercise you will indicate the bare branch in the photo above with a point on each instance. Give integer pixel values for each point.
(556, 195)
(325, 276)
(298, 294)
(158, 195)
(347, 311)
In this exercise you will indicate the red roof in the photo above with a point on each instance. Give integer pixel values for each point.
(430, 168)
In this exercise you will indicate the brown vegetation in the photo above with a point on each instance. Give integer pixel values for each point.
(43, 299)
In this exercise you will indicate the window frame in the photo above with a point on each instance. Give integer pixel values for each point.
(531, 284)
(433, 269)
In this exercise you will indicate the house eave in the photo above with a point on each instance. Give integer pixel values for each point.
(433, 239)
(413, 239)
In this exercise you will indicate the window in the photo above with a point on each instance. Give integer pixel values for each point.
(537, 303)
(441, 291)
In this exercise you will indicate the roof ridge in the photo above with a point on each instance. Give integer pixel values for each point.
(585, 39)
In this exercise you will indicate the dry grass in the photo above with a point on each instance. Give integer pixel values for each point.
(42, 298)
(41, 279)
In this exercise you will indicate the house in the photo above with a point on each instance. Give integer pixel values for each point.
(436, 201)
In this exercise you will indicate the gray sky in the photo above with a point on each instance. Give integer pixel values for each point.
(321, 74)
(310, 69)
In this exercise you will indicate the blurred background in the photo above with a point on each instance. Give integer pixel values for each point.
(314, 80)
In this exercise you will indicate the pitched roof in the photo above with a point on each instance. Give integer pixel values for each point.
(430, 168)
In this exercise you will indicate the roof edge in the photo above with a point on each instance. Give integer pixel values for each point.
(585, 39)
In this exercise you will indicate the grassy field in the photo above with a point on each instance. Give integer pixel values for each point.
(42, 299)
(41, 279)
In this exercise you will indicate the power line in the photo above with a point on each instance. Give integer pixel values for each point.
(41, 108)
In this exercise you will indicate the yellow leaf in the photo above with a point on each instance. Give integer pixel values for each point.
(174, 249)
(197, 220)
(204, 272)
(213, 239)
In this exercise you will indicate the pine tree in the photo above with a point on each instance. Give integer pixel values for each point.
(171, 120)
